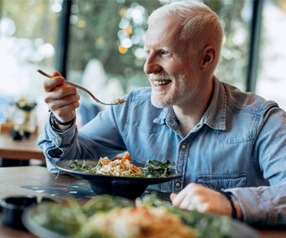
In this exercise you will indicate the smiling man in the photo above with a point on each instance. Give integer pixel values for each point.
(177, 77)
(228, 145)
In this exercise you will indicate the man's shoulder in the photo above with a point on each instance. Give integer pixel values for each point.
(247, 101)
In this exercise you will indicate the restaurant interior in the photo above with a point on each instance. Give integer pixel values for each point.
(105, 54)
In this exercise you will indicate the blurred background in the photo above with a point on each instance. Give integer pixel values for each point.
(99, 44)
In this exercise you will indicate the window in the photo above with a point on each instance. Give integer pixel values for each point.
(28, 34)
(271, 80)
(235, 17)
(106, 45)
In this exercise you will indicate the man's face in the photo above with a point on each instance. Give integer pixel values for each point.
(171, 66)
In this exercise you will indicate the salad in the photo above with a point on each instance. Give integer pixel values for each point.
(113, 217)
(123, 167)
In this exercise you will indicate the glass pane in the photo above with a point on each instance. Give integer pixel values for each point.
(106, 45)
(235, 17)
(271, 82)
(28, 33)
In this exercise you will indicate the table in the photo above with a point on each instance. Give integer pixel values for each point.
(18, 177)
(21, 150)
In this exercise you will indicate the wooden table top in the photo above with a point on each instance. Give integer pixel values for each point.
(20, 180)
(22, 150)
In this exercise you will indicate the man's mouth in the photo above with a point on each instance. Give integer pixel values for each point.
(159, 80)
(158, 83)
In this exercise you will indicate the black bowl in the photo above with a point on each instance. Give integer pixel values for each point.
(12, 208)
(128, 187)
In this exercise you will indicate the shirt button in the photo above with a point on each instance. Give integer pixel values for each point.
(178, 185)
(171, 122)
(183, 147)
(57, 141)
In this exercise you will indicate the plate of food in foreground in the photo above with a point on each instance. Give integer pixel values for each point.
(119, 177)
(114, 217)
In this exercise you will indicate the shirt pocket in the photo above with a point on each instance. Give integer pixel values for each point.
(222, 181)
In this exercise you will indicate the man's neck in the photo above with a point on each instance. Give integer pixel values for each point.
(187, 121)
(189, 115)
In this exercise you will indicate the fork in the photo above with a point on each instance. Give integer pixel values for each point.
(118, 101)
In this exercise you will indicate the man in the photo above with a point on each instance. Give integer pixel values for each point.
(219, 137)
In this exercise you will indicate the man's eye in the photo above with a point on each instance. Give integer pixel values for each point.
(164, 52)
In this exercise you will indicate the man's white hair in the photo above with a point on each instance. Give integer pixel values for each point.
(200, 24)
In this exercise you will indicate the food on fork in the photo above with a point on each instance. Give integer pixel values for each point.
(119, 101)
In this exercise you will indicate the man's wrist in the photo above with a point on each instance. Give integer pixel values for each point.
(228, 196)
(237, 208)
(236, 212)
(58, 125)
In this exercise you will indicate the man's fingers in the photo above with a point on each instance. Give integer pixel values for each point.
(172, 196)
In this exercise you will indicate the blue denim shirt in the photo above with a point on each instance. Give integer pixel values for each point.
(238, 145)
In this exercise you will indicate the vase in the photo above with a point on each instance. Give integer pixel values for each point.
(25, 121)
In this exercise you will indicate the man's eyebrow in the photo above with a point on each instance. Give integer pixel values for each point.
(156, 50)
(166, 48)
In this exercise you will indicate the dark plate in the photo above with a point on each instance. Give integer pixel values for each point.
(129, 187)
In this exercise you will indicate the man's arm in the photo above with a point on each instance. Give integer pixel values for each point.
(254, 205)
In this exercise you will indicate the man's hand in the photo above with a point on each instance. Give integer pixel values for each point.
(195, 196)
(62, 99)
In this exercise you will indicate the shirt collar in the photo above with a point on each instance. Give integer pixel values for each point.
(161, 119)
(215, 115)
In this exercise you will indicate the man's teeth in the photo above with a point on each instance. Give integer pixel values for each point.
(161, 82)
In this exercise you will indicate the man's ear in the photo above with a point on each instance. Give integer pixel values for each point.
(209, 56)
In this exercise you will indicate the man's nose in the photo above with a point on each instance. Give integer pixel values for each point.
(151, 66)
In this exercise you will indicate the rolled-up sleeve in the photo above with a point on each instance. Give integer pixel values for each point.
(262, 205)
